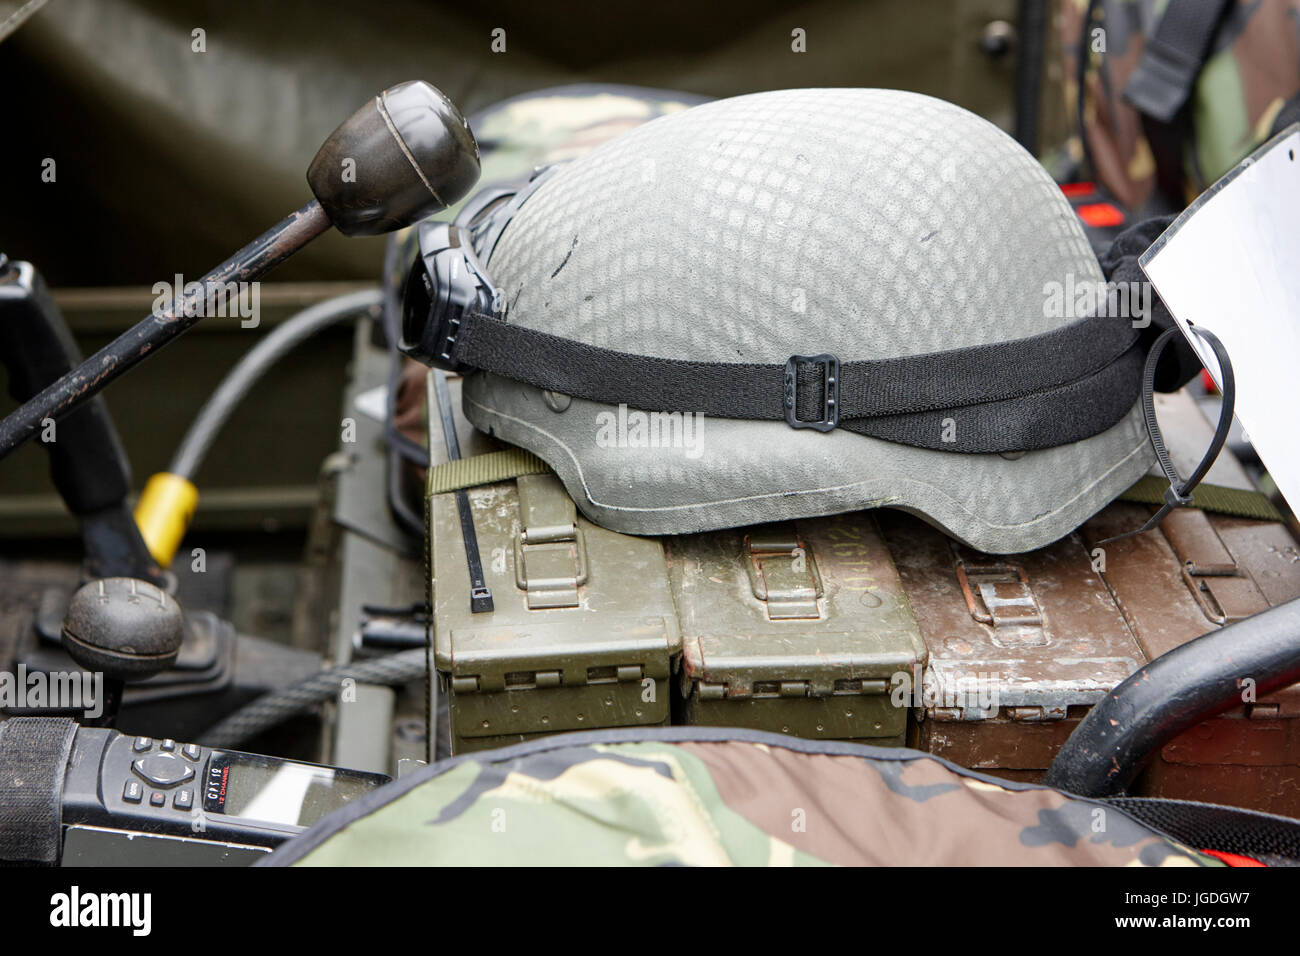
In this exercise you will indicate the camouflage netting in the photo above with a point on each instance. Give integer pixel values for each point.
(720, 797)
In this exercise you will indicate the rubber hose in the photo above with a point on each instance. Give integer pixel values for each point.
(1174, 692)
(283, 339)
(276, 707)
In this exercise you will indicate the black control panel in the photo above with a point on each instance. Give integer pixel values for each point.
(182, 789)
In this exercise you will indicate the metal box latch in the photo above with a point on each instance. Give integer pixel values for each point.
(550, 550)
(998, 594)
(782, 573)
(1221, 589)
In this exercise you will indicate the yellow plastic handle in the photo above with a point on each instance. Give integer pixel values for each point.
(163, 514)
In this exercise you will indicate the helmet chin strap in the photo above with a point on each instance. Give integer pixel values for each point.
(1179, 492)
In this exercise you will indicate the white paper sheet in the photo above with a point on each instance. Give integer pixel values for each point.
(1231, 264)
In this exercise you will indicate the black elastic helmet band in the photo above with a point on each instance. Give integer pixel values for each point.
(1037, 392)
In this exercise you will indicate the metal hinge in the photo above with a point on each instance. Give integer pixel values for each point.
(550, 550)
(548, 655)
(782, 573)
(545, 679)
(1038, 714)
(845, 686)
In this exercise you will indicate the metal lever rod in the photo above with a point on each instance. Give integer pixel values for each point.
(150, 334)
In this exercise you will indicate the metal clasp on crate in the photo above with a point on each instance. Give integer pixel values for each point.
(782, 573)
(1001, 598)
(550, 549)
(1006, 599)
(1221, 589)
(550, 572)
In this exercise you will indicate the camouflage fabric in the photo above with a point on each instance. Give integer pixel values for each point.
(1253, 69)
(714, 796)
(556, 124)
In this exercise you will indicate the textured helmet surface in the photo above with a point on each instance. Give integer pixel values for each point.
(864, 223)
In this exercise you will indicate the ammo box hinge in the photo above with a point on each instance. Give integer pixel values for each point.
(553, 676)
(544, 679)
(550, 549)
(783, 573)
(1022, 715)
(719, 690)
(551, 654)
(1222, 590)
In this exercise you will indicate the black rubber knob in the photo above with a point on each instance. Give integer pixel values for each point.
(402, 157)
(124, 628)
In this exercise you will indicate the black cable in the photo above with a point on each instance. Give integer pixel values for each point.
(390, 323)
(480, 595)
(254, 364)
(1179, 492)
(398, 446)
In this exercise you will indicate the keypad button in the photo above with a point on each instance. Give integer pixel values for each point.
(157, 799)
(163, 770)
(133, 792)
(191, 751)
(142, 744)
(183, 800)
(168, 745)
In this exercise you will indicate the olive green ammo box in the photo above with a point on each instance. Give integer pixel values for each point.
(797, 627)
(583, 634)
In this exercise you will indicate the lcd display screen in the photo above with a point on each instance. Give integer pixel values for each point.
(280, 791)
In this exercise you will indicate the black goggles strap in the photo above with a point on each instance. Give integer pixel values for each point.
(1035, 392)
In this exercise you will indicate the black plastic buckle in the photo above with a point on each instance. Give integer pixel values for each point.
(830, 414)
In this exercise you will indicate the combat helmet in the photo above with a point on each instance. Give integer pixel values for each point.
(793, 304)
